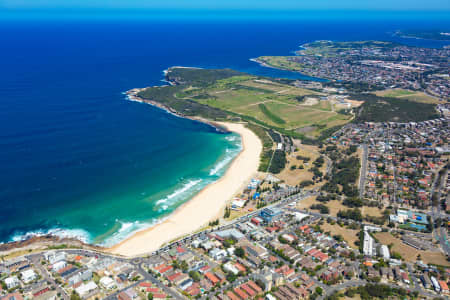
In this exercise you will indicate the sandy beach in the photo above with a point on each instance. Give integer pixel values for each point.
(204, 207)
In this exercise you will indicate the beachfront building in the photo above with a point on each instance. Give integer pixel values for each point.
(229, 234)
(270, 214)
(54, 256)
(59, 265)
(28, 275)
(12, 282)
(237, 204)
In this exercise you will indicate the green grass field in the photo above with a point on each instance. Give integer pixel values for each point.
(408, 95)
(272, 103)
(227, 94)
(282, 62)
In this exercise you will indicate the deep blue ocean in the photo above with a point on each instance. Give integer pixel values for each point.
(77, 158)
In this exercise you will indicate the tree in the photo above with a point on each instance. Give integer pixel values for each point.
(227, 212)
(150, 296)
(75, 296)
(239, 252)
(184, 266)
(195, 276)
(319, 290)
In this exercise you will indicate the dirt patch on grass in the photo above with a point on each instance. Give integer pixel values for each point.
(306, 203)
(305, 129)
(349, 235)
(409, 253)
(436, 258)
(371, 211)
(334, 205)
(297, 175)
(354, 103)
(309, 101)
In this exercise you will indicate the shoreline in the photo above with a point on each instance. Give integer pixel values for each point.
(132, 96)
(207, 205)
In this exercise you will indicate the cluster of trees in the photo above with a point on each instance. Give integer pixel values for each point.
(319, 161)
(306, 183)
(275, 136)
(353, 214)
(214, 223)
(386, 109)
(278, 161)
(304, 158)
(199, 77)
(353, 202)
(227, 212)
(326, 198)
(352, 149)
(322, 208)
(344, 173)
(381, 291)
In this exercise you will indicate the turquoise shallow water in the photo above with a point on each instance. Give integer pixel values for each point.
(77, 158)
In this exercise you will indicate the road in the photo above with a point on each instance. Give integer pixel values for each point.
(363, 171)
(440, 232)
(354, 283)
(35, 259)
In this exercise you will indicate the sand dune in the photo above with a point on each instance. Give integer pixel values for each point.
(204, 207)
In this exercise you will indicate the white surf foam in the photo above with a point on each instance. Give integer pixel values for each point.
(126, 230)
(231, 138)
(229, 156)
(163, 204)
(79, 234)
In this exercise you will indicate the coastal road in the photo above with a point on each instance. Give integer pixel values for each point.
(363, 171)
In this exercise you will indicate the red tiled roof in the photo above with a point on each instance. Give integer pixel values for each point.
(240, 267)
(194, 292)
(40, 292)
(254, 286)
(159, 267)
(152, 290)
(443, 285)
(205, 268)
(145, 284)
(211, 277)
(248, 290)
(240, 293)
(173, 276)
(232, 296)
(164, 270)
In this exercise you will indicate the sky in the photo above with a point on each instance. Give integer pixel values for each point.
(383, 5)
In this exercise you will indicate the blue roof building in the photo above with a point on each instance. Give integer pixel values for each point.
(270, 214)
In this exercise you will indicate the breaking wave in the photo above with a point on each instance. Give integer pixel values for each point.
(79, 234)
